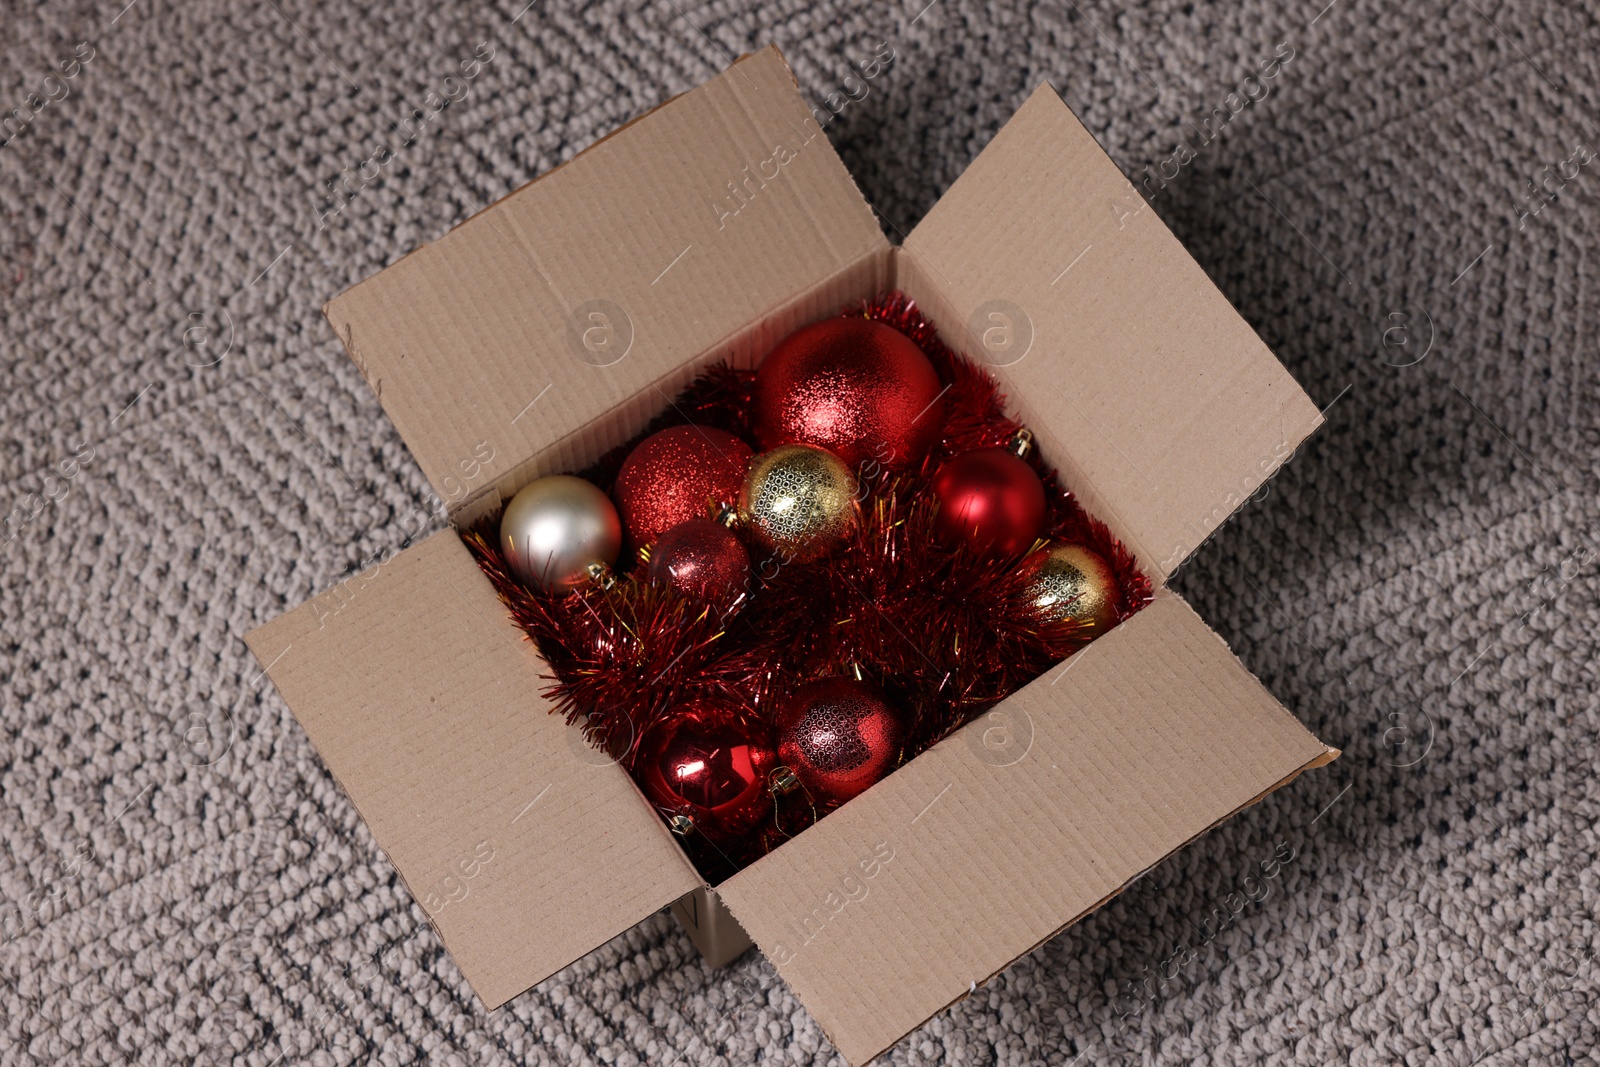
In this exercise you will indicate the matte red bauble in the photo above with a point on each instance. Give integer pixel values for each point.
(991, 500)
(701, 558)
(860, 389)
(683, 472)
(705, 766)
(838, 736)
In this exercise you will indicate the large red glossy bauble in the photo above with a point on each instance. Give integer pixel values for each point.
(702, 559)
(991, 500)
(839, 736)
(709, 763)
(682, 472)
(860, 389)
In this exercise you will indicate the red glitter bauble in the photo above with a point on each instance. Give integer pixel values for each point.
(991, 500)
(682, 472)
(708, 764)
(862, 390)
(839, 736)
(701, 558)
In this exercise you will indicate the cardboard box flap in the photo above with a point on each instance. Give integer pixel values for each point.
(583, 288)
(1162, 406)
(524, 846)
(981, 848)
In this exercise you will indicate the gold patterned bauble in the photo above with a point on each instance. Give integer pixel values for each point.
(798, 502)
(1075, 583)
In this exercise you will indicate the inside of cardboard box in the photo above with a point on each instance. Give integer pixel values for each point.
(743, 349)
(875, 274)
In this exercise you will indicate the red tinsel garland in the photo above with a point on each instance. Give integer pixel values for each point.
(942, 632)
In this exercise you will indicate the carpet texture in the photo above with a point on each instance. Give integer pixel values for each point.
(186, 452)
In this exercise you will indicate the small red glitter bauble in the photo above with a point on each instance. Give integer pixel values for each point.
(701, 558)
(839, 736)
(708, 764)
(682, 472)
(991, 500)
(862, 390)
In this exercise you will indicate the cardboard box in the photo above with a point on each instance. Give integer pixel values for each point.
(552, 325)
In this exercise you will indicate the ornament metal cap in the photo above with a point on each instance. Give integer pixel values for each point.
(1021, 443)
(681, 825)
(784, 781)
(601, 575)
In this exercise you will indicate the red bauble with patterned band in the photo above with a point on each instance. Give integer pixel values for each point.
(862, 390)
(838, 736)
(682, 472)
(705, 767)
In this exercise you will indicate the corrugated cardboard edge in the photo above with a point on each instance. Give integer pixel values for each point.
(1320, 761)
(553, 170)
(1177, 410)
(1080, 838)
(741, 347)
(422, 698)
(457, 337)
(711, 926)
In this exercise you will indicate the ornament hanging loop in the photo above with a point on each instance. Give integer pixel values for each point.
(785, 783)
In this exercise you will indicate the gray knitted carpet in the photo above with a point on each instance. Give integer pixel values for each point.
(186, 452)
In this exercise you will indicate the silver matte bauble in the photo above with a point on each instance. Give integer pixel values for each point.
(556, 529)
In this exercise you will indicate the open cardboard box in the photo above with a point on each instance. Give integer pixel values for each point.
(552, 325)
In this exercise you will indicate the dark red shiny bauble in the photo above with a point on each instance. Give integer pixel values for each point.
(701, 558)
(708, 763)
(683, 472)
(991, 500)
(860, 389)
(839, 736)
